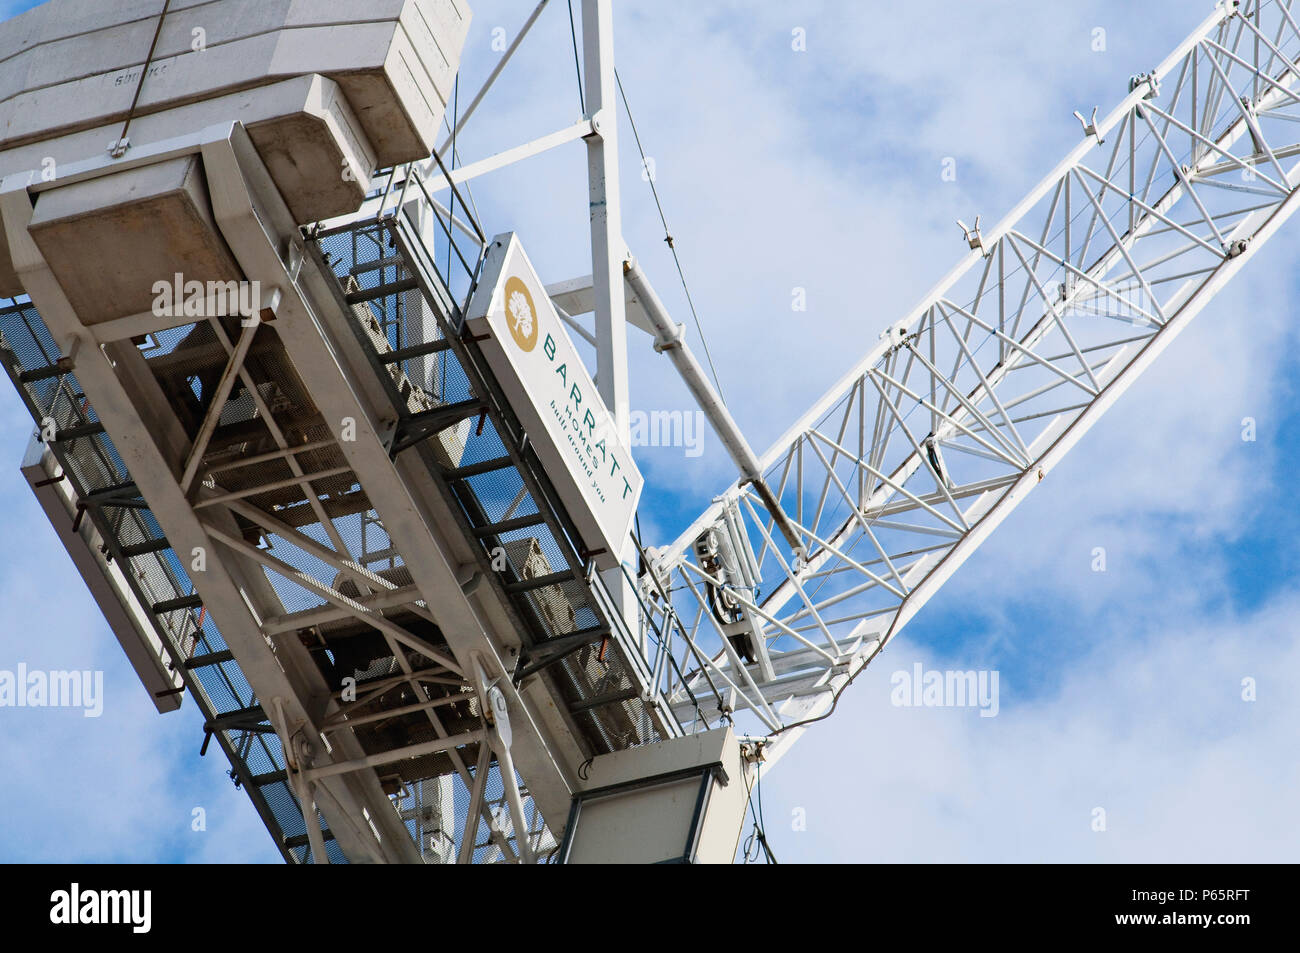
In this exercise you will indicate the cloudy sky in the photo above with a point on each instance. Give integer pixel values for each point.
(819, 168)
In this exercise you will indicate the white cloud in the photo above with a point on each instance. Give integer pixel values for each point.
(120, 787)
(1150, 727)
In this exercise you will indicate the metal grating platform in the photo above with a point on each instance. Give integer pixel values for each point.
(480, 457)
(108, 496)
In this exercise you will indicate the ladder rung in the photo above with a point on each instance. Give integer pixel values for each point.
(415, 350)
(143, 549)
(382, 291)
(300, 840)
(478, 469)
(507, 526)
(539, 582)
(587, 704)
(448, 415)
(369, 266)
(212, 658)
(243, 719)
(42, 373)
(109, 494)
(76, 433)
(172, 605)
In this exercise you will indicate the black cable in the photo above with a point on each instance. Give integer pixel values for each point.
(451, 205)
(659, 638)
(577, 65)
(671, 618)
(144, 71)
(456, 160)
(835, 699)
(757, 837)
(668, 237)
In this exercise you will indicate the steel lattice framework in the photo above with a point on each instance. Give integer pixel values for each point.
(916, 455)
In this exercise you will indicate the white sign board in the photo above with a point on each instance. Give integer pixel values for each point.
(548, 386)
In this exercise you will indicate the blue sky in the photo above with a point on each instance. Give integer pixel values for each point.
(820, 169)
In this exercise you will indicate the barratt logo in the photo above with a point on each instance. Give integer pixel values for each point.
(521, 315)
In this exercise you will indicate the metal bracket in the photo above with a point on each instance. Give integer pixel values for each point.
(896, 335)
(973, 237)
(662, 345)
(1151, 81)
(934, 456)
(496, 715)
(597, 121)
(534, 658)
(1090, 125)
(429, 423)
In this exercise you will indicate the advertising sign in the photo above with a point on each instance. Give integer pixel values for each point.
(549, 389)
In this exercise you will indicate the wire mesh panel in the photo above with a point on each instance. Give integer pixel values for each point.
(101, 482)
(476, 451)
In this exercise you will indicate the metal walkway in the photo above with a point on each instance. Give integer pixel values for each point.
(475, 449)
(108, 496)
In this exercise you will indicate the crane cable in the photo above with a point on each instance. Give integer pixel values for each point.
(144, 71)
(835, 698)
(451, 203)
(756, 844)
(577, 66)
(668, 237)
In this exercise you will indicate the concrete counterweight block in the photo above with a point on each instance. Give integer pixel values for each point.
(329, 91)
(73, 64)
(159, 212)
(313, 147)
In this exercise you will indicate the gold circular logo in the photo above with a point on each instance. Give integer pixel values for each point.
(521, 315)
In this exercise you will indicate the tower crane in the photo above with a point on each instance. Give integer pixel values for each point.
(330, 461)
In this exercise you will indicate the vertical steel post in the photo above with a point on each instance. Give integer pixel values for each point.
(608, 250)
(607, 247)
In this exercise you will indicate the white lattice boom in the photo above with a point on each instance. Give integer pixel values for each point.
(907, 464)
